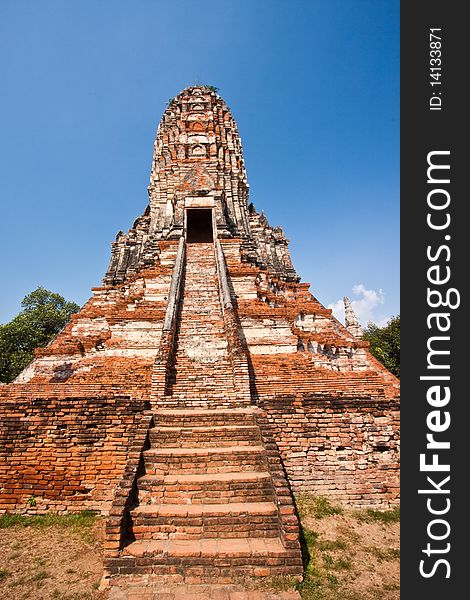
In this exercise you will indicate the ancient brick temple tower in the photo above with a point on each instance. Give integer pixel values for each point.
(201, 383)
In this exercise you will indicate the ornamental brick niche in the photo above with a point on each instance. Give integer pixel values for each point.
(201, 385)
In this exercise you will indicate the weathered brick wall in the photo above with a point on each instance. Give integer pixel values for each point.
(69, 453)
(344, 448)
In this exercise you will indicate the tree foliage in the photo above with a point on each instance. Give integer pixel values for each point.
(43, 315)
(385, 343)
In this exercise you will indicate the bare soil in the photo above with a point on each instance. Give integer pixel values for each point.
(51, 563)
(351, 557)
(354, 555)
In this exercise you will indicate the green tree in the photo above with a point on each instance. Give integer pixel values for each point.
(385, 343)
(43, 315)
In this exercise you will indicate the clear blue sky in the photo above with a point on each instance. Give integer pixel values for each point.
(313, 86)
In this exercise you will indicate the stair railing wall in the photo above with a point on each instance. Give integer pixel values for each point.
(238, 353)
(164, 358)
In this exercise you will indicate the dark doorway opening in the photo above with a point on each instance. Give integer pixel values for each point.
(199, 225)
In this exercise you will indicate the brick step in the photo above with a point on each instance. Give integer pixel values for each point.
(218, 367)
(208, 330)
(206, 488)
(206, 276)
(192, 391)
(229, 459)
(183, 521)
(201, 301)
(225, 388)
(219, 435)
(204, 324)
(193, 379)
(205, 418)
(207, 282)
(207, 560)
(219, 364)
(181, 401)
(207, 286)
(216, 363)
(203, 321)
(196, 292)
(184, 366)
(207, 256)
(214, 401)
(193, 374)
(208, 325)
(201, 306)
(145, 586)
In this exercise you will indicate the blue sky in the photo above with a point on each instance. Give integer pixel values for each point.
(313, 86)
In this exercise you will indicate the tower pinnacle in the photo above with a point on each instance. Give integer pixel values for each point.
(199, 190)
(350, 319)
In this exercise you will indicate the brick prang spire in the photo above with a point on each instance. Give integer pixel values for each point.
(198, 157)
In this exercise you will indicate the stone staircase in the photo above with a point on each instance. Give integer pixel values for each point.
(206, 508)
(208, 501)
(202, 372)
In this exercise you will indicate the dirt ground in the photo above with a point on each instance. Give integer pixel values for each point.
(353, 555)
(51, 563)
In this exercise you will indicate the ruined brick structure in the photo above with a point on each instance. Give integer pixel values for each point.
(201, 384)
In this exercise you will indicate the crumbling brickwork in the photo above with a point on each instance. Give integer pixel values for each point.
(64, 454)
(201, 384)
(343, 448)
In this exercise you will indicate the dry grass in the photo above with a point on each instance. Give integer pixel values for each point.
(348, 554)
(51, 557)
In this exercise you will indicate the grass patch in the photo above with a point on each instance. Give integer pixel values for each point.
(381, 554)
(325, 545)
(310, 537)
(349, 534)
(20, 581)
(321, 581)
(40, 576)
(382, 516)
(320, 585)
(391, 587)
(342, 564)
(332, 579)
(328, 561)
(318, 507)
(79, 523)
